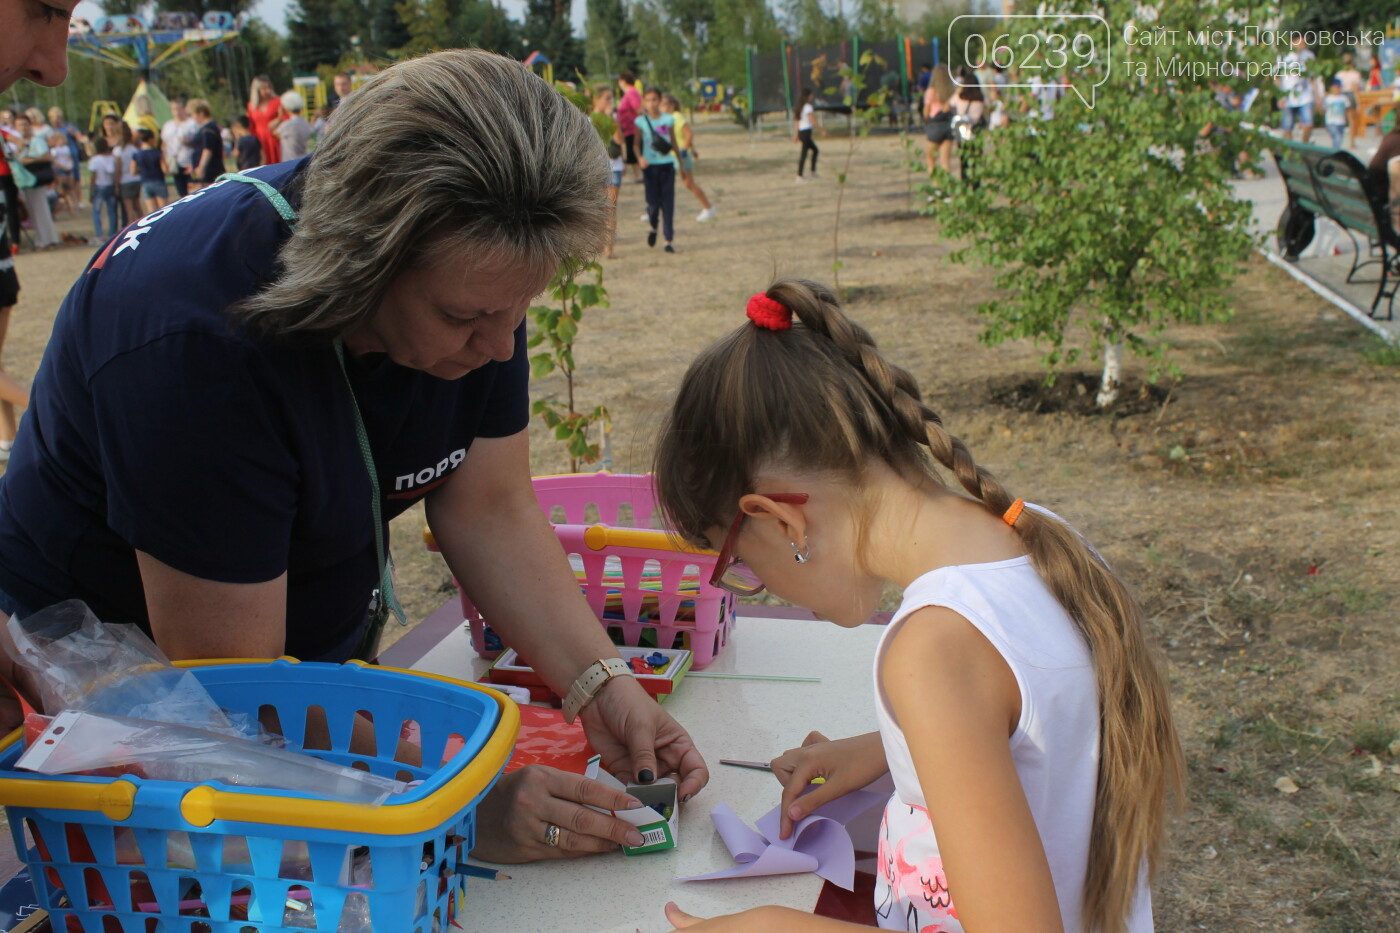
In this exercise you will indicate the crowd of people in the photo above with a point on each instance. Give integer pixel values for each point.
(132, 171)
(651, 143)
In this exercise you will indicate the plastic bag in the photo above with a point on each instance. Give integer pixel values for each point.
(79, 663)
(84, 740)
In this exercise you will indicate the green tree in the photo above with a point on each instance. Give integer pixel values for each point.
(739, 25)
(810, 23)
(315, 35)
(482, 24)
(610, 43)
(691, 19)
(383, 29)
(429, 25)
(663, 54)
(877, 19)
(1105, 226)
(1353, 16)
(548, 29)
(266, 51)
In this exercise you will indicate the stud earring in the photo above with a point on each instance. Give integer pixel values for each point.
(803, 555)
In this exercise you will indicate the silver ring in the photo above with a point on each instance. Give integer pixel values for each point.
(551, 835)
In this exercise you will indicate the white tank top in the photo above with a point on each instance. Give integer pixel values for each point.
(1055, 746)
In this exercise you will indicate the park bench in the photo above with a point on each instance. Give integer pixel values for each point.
(1327, 183)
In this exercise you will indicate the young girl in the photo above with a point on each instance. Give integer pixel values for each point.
(148, 164)
(610, 132)
(807, 120)
(655, 132)
(1021, 712)
(686, 152)
(103, 193)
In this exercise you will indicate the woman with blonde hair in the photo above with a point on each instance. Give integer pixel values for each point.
(247, 385)
(266, 113)
(938, 121)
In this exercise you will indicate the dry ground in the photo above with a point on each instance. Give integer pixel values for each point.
(1254, 510)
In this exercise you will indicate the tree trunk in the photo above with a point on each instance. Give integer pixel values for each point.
(1112, 374)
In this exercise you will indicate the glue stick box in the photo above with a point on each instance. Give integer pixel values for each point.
(659, 821)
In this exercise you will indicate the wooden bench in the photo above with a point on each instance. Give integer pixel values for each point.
(1335, 185)
(1371, 108)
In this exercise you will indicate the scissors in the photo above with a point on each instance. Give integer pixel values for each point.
(759, 766)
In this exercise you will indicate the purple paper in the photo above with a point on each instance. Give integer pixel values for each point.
(819, 843)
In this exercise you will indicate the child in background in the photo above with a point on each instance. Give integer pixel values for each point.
(148, 164)
(1334, 109)
(247, 149)
(1021, 710)
(102, 190)
(687, 153)
(655, 133)
(608, 129)
(294, 133)
(64, 186)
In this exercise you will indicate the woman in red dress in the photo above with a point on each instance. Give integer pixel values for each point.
(265, 112)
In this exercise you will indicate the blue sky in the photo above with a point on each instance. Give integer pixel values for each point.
(274, 12)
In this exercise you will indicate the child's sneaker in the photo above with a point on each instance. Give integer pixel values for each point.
(707, 214)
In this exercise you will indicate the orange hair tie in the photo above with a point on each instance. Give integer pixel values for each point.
(1014, 512)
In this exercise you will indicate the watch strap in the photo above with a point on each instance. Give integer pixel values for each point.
(590, 682)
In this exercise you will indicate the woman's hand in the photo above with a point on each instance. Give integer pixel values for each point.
(638, 739)
(844, 765)
(514, 818)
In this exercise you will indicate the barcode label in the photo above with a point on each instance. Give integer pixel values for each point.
(653, 837)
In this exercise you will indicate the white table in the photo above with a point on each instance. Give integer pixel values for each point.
(745, 719)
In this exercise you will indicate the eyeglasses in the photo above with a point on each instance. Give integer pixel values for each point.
(732, 574)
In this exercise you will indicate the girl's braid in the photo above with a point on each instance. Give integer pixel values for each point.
(896, 389)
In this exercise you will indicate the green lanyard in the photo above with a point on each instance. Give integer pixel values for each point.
(383, 600)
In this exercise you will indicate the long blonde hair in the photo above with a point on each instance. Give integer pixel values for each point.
(822, 397)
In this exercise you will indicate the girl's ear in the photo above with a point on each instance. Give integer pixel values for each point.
(788, 518)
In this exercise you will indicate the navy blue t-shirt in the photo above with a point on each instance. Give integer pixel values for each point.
(148, 162)
(155, 426)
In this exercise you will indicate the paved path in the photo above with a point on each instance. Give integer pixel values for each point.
(1324, 265)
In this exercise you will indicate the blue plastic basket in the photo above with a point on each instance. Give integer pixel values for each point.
(218, 859)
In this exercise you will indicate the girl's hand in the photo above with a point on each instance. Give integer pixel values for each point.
(844, 765)
(515, 816)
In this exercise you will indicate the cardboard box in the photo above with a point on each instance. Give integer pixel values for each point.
(659, 830)
(510, 669)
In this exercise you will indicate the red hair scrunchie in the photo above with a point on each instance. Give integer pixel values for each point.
(769, 313)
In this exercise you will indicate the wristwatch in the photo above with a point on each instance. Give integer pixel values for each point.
(590, 682)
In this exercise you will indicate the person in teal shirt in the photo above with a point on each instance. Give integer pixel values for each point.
(658, 159)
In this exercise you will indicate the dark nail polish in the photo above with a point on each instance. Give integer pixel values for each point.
(686, 798)
(645, 776)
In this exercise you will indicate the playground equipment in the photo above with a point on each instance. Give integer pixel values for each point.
(143, 44)
(776, 79)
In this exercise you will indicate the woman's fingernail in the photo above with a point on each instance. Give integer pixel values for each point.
(633, 803)
(645, 776)
(686, 798)
(634, 838)
(795, 812)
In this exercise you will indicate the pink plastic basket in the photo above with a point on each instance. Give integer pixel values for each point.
(637, 579)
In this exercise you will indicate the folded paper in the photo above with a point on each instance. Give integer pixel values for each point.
(819, 843)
